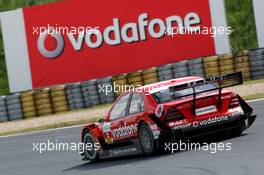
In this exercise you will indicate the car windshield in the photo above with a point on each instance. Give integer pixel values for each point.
(182, 91)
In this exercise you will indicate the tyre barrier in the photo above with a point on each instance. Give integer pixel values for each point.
(28, 104)
(242, 64)
(226, 63)
(59, 99)
(105, 90)
(74, 96)
(211, 66)
(135, 79)
(180, 69)
(14, 107)
(256, 57)
(90, 93)
(196, 68)
(3, 109)
(150, 75)
(120, 82)
(165, 72)
(43, 101)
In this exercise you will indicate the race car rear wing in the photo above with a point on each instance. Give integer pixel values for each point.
(224, 81)
(227, 80)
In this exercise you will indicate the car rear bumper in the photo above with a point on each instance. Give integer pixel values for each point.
(200, 128)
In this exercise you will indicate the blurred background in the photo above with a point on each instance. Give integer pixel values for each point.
(240, 17)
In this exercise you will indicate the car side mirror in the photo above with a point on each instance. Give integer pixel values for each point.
(100, 120)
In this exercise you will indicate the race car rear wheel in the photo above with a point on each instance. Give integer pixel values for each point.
(146, 139)
(90, 154)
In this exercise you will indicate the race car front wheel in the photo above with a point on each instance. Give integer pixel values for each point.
(89, 150)
(146, 139)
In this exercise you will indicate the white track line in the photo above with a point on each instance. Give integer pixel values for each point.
(76, 126)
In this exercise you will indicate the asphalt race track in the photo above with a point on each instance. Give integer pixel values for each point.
(246, 157)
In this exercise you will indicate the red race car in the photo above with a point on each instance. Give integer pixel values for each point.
(143, 119)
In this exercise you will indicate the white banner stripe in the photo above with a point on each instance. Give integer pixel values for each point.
(16, 51)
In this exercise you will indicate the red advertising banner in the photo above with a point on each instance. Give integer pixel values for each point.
(127, 36)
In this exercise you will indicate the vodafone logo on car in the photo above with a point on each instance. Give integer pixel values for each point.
(121, 34)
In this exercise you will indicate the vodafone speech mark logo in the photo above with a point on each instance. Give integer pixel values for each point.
(129, 33)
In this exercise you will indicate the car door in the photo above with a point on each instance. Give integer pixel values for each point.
(135, 112)
(114, 129)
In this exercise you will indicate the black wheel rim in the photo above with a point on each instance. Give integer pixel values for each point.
(146, 139)
(89, 140)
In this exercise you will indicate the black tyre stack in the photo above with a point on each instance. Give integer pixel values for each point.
(120, 82)
(74, 96)
(90, 93)
(28, 104)
(14, 107)
(180, 69)
(150, 75)
(257, 63)
(135, 79)
(211, 66)
(43, 102)
(242, 64)
(196, 68)
(165, 72)
(106, 90)
(226, 63)
(59, 99)
(3, 109)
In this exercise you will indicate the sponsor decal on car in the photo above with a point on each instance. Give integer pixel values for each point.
(106, 127)
(124, 130)
(124, 150)
(109, 140)
(205, 110)
(212, 120)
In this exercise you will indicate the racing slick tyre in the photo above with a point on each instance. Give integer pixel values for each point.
(146, 139)
(91, 155)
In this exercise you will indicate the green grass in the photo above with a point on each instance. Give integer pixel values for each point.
(254, 81)
(254, 96)
(240, 17)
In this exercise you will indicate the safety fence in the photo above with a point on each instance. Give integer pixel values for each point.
(81, 95)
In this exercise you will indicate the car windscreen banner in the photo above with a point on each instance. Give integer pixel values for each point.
(78, 40)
